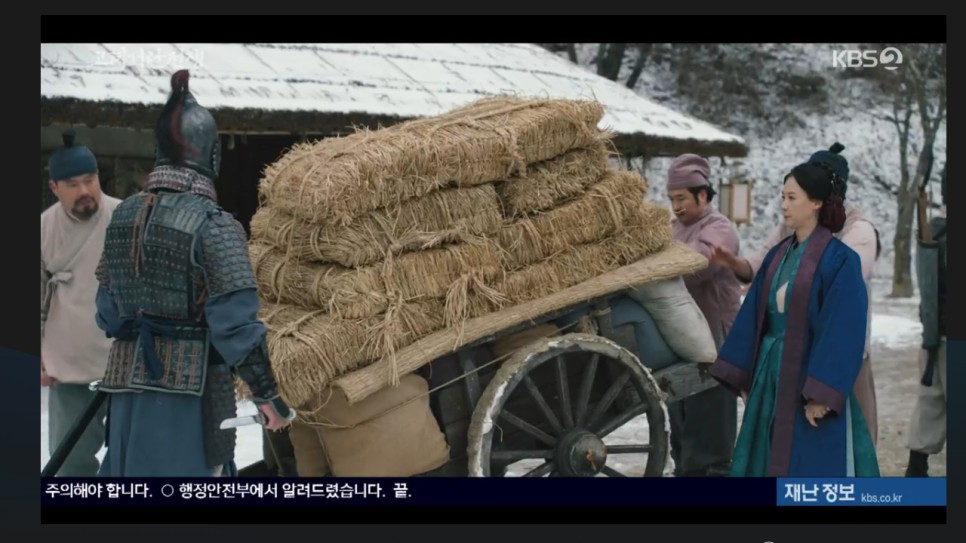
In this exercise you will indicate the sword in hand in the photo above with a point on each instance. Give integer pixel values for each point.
(257, 418)
(238, 422)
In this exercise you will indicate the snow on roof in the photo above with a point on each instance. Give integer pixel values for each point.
(400, 80)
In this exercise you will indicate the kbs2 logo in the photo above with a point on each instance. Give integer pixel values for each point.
(889, 58)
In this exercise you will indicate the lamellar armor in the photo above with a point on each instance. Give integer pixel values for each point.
(165, 254)
(160, 287)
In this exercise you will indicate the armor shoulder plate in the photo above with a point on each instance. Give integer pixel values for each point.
(225, 255)
(149, 254)
(118, 239)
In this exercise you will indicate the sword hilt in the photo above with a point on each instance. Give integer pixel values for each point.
(280, 407)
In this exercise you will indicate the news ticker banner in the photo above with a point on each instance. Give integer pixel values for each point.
(893, 491)
(430, 491)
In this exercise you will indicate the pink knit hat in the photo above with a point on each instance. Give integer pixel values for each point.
(688, 170)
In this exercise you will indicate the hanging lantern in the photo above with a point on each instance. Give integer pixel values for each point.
(735, 198)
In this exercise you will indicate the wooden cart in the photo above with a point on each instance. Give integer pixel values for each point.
(550, 402)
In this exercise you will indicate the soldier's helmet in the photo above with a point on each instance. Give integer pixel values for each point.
(186, 132)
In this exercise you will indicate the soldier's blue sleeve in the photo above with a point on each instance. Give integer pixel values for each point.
(232, 304)
(107, 316)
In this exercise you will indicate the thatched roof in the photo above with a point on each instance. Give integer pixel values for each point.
(328, 88)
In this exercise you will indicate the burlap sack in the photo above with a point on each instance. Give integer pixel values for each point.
(678, 317)
(375, 438)
(508, 344)
(310, 459)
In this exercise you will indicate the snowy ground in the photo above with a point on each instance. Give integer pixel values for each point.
(895, 335)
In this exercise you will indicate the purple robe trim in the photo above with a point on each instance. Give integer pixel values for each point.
(790, 399)
(824, 394)
(731, 376)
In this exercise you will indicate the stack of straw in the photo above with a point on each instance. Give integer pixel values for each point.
(367, 243)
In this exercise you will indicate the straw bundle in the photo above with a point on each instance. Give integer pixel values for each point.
(334, 181)
(578, 263)
(355, 293)
(546, 184)
(310, 349)
(445, 216)
(366, 244)
(610, 205)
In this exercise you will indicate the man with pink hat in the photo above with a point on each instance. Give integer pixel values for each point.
(704, 426)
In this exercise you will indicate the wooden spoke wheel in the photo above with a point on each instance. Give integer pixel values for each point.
(553, 403)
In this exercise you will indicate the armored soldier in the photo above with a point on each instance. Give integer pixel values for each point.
(178, 296)
(927, 429)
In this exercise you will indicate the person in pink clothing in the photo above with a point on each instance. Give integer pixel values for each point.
(862, 237)
(704, 426)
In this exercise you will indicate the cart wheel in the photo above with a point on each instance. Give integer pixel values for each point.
(569, 438)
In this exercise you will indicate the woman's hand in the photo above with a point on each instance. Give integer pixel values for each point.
(815, 411)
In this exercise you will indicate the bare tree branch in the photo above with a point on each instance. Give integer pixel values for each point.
(941, 115)
(643, 50)
(879, 181)
(916, 85)
(569, 48)
(611, 56)
(894, 191)
(599, 59)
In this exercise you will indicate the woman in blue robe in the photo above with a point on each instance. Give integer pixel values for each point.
(796, 346)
